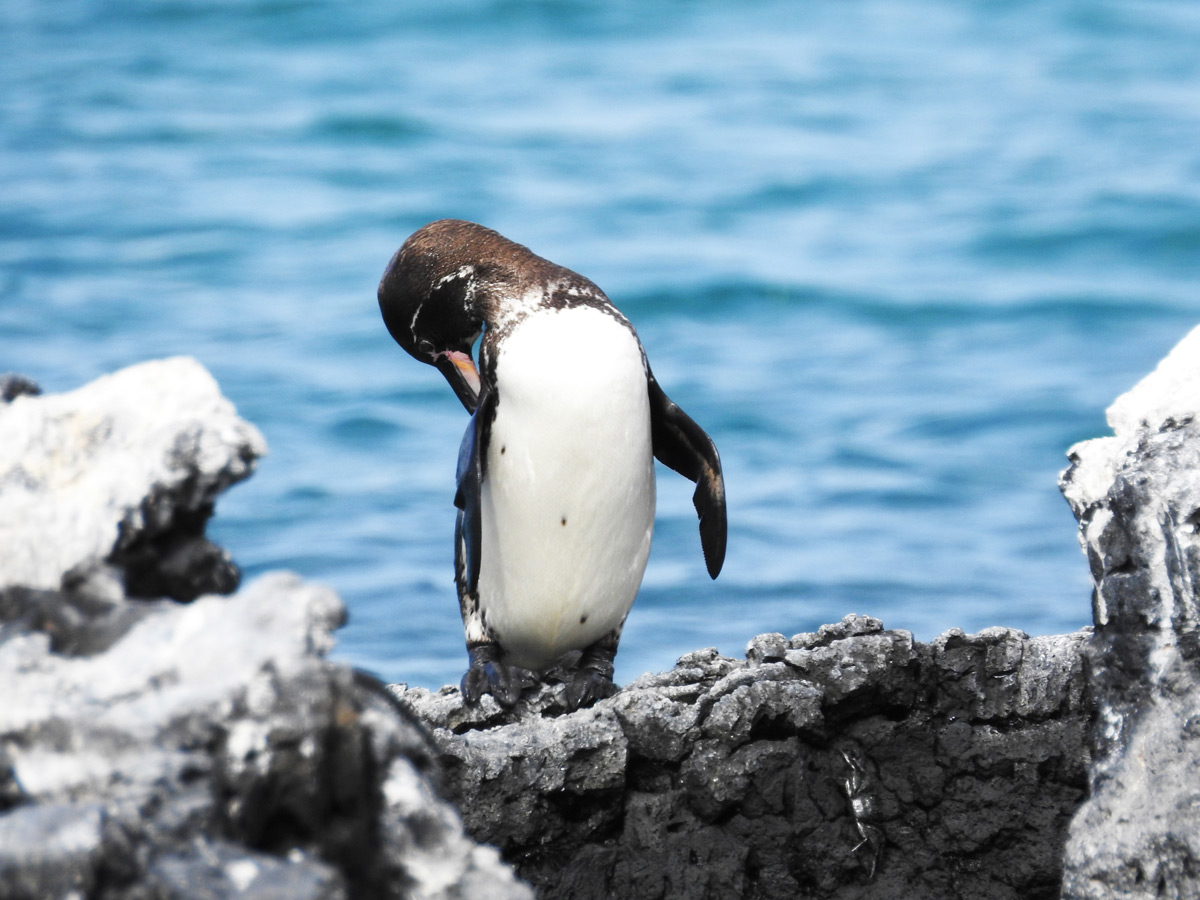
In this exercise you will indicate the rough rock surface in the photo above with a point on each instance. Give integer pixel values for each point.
(153, 749)
(854, 762)
(1137, 498)
(211, 751)
(124, 469)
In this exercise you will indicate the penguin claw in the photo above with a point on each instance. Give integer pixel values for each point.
(587, 687)
(490, 678)
(487, 674)
(592, 680)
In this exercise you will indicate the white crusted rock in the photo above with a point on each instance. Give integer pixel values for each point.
(1137, 498)
(92, 473)
(150, 748)
(1171, 393)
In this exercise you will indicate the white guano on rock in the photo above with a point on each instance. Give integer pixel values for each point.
(110, 460)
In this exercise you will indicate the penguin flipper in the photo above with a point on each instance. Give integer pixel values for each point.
(682, 445)
(472, 454)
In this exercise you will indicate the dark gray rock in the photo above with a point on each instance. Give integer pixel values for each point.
(86, 618)
(13, 386)
(1137, 498)
(854, 762)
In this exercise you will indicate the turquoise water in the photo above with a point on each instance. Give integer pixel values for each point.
(895, 256)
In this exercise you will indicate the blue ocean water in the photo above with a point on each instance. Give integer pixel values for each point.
(894, 256)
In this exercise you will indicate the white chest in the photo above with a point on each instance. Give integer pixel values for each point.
(568, 498)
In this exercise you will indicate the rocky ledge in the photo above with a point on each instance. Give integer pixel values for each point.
(852, 762)
(163, 737)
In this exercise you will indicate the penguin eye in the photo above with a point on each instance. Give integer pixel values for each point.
(426, 347)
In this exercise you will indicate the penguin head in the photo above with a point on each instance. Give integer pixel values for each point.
(428, 300)
(452, 279)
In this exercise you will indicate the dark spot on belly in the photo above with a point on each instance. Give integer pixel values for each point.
(502, 449)
(583, 620)
(564, 520)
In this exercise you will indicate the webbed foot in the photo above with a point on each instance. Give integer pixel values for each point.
(488, 674)
(592, 680)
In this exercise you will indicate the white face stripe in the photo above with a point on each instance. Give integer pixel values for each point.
(463, 272)
(412, 326)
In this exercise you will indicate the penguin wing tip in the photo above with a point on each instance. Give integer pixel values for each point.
(714, 554)
(709, 500)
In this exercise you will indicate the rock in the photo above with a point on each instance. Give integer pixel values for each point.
(854, 762)
(87, 618)
(14, 386)
(1137, 498)
(210, 751)
(126, 470)
(153, 749)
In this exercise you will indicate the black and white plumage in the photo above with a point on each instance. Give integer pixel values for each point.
(555, 474)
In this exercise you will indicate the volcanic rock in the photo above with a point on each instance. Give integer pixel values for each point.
(853, 762)
(1137, 498)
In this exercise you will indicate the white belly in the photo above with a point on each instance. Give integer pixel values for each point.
(568, 497)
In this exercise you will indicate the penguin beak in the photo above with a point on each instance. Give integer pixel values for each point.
(459, 369)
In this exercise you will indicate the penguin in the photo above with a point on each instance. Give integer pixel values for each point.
(555, 479)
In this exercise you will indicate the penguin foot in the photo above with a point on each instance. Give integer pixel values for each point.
(592, 680)
(488, 674)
